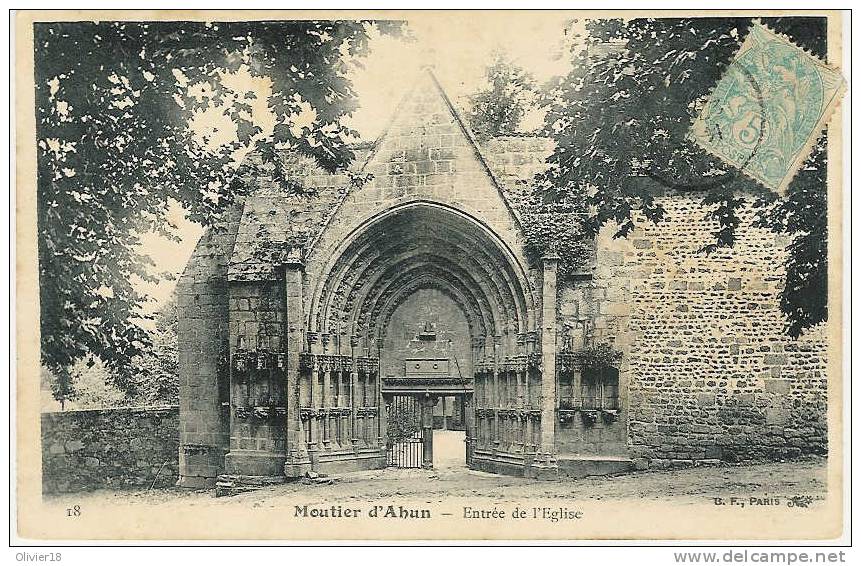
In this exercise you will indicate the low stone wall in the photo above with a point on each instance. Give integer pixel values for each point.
(109, 448)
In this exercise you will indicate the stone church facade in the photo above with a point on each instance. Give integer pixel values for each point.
(302, 318)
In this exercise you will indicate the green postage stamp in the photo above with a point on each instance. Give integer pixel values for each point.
(768, 108)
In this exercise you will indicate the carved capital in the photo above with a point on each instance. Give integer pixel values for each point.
(261, 413)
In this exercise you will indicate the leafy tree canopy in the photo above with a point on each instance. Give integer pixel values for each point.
(623, 113)
(113, 103)
(156, 377)
(155, 380)
(499, 108)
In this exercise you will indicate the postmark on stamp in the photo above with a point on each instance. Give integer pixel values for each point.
(768, 108)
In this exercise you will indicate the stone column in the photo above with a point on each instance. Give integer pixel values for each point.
(354, 383)
(316, 439)
(546, 456)
(527, 443)
(384, 402)
(343, 435)
(527, 404)
(427, 405)
(298, 461)
(532, 395)
(496, 396)
(326, 397)
(479, 377)
(334, 419)
(319, 406)
(364, 421)
(469, 425)
(521, 368)
(378, 395)
(486, 401)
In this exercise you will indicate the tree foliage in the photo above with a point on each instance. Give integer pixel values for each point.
(90, 388)
(802, 215)
(404, 421)
(499, 108)
(156, 371)
(152, 381)
(556, 229)
(113, 102)
(623, 114)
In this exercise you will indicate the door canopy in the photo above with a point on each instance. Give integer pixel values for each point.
(421, 245)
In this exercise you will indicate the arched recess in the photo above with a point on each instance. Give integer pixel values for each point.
(422, 245)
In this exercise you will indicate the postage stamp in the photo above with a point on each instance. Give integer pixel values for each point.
(768, 109)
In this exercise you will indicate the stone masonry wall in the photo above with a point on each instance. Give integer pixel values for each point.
(425, 155)
(202, 340)
(452, 339)
(708, 372)
(515, 160)
(257, 314)
(109, 448)
(275, 221)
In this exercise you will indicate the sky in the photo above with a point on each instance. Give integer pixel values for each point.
(457, 46)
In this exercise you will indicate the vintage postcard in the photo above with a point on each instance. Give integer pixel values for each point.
(430, 275)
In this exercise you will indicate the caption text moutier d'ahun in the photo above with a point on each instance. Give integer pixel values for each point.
(552, 514)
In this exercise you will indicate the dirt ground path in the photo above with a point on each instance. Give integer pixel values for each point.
(805, 477)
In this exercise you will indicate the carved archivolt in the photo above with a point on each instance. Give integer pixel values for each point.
(446, 271)
(423, 247)
(374, 259)
(432, 249)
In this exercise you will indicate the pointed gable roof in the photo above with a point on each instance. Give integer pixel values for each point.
(420, 109)
(426, 153)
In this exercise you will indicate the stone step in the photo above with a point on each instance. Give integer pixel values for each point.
(233, 484)
(583, 466)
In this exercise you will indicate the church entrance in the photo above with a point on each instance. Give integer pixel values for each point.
(435, 302)
(413, 397)
(426, 361)
(405, 444)
(449, 449)
(412, 439)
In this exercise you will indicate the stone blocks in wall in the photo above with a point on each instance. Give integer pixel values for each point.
(710, 372)
(109, 448)
(427, 155)
(257, 316)
(202, 344)
(598, 439)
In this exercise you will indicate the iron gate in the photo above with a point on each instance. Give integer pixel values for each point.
(405, 445)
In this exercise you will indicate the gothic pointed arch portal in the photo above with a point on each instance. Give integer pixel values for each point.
(442, 304)
(384, 260)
